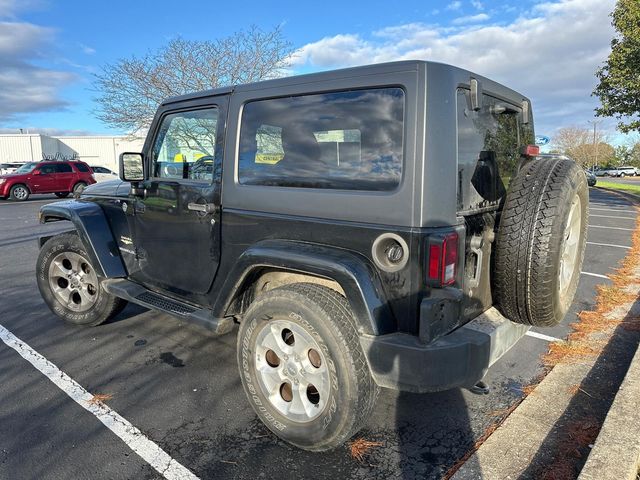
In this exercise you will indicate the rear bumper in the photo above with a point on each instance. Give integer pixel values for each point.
(459, 359)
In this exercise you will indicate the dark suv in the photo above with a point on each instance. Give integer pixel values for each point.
(380, 226)
(60, 178)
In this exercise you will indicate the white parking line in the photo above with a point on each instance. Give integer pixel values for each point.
(594, 275)
(134, 438)
(611, 210)
(612, 228)
(611, 216)
(608, 245)
(542, 336)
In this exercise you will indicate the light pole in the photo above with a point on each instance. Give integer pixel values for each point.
(595, 124)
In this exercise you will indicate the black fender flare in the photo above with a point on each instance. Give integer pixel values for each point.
(353, 272)
(93, 229)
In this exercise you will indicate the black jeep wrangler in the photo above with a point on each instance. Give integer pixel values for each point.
(380, 226)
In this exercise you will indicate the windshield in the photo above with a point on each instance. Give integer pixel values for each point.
(27, 167)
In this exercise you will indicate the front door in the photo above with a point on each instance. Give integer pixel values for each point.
(177, 222)
(45, 180)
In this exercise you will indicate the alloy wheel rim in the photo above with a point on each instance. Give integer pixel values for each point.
(73, 281)
(292, 370)
(569, 250)
(20, 193)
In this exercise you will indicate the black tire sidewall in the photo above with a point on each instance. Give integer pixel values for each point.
(324, 431)
(54, 246)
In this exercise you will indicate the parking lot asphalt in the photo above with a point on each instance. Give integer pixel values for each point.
(180, 386)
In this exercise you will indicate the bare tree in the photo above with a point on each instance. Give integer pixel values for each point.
(578, 143)
(129, 90)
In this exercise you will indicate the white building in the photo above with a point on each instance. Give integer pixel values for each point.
(94, 150)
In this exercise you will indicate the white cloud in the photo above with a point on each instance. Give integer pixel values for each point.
(24, 86)
(469, 19)
(9, 8)
(87, 49)
(454, 5)
(550, 54)
(477, 5)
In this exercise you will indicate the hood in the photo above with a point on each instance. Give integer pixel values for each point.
(13, 175)
(110, 188)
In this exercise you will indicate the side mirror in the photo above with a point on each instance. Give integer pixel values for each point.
(36, 172)
(131, 167)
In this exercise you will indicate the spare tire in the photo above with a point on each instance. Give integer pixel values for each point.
(541, 242)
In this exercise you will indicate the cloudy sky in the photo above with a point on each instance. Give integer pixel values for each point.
(547, 50)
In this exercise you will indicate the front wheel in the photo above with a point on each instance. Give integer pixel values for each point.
(621, 175)
(19, 193)
(302, 366)
(70, 285)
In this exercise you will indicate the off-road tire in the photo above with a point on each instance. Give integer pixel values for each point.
(531, 240)
(62, 194)
(106, 306)
(326, 315)
(19, 193)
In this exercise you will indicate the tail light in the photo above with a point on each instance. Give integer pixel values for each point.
(530, 150)
(442, 259)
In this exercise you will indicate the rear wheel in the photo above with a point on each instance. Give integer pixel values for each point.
(302, 366)
(62, 194)
(79, 187)
(70, 285)
(19, 193)
(541, 242)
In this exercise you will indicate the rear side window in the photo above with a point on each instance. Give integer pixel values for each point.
(62, 168)
(350, 140)
(82, 167)
(489, 142)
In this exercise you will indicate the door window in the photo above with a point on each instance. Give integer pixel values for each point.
(47, 169)
(185, 145)
(62, 168)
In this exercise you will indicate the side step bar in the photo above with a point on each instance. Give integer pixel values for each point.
(138, 294)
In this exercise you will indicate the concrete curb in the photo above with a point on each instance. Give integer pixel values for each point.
(616, 452)
(631, 196)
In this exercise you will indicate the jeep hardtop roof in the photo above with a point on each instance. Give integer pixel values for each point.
(433, 68)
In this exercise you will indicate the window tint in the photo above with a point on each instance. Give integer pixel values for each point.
(47, 169)
(345, 140)
(185, 145)
(62, 168)
(81, 167)
(489, 142)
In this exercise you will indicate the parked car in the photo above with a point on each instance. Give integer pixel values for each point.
(103, 174)
(624, 171)
(346, 223)
(603, 172)
(591, 178)
(60, 178)
(6, 168)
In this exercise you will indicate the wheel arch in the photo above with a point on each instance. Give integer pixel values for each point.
(286, 262)
(23, 184)
(93, 229)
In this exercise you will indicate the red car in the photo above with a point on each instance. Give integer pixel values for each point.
(60, 178)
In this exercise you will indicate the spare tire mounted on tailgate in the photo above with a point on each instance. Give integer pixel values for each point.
(541, 242)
